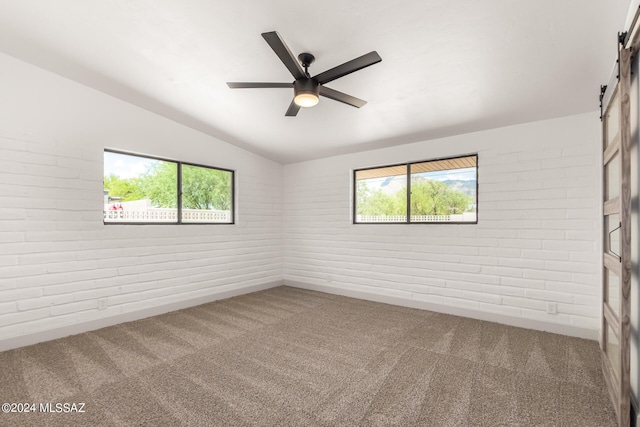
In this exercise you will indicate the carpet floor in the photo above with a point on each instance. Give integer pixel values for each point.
(293, 357)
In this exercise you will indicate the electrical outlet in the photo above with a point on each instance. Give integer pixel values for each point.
(552, 308)
(102, 303)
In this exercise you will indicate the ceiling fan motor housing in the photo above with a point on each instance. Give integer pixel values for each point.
(306, 86)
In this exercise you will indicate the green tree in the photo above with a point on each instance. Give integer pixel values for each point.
(204, 188)
(430, 197)
(126, 189)
(377, 202)
(159, 184)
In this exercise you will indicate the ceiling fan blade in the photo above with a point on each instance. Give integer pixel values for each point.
(248, 85)
(348, 67)
(293, 109)
(342, 97)
(285, 55)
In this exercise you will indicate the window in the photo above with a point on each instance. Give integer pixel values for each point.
(434, 191)
(141, 189)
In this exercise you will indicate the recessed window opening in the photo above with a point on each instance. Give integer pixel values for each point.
(435, 191)
(147, 190)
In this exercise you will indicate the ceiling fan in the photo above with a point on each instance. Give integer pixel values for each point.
(306, 89)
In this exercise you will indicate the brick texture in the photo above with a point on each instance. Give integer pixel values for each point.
(536, 241)
(57, 258)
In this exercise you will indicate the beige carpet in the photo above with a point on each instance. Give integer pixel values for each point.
(288, 356)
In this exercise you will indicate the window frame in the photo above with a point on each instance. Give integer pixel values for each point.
(408, 175)
(179, 193)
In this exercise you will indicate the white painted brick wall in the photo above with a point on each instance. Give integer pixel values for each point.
(56, 256)
(536, 240)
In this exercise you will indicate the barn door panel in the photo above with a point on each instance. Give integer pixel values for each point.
(616, 278)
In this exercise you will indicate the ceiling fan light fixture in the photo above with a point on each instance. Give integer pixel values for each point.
(306, 100)
(306, 93)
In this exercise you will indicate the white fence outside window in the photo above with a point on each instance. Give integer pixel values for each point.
(465, 217)
(165, 215)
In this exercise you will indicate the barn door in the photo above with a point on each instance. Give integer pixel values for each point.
(616, 278)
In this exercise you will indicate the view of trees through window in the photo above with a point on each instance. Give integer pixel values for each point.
(140, 189)
(442, 190)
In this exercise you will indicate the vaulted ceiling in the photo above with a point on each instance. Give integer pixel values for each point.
(448, 67)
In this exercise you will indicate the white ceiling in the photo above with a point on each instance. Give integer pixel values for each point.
(448, 67)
